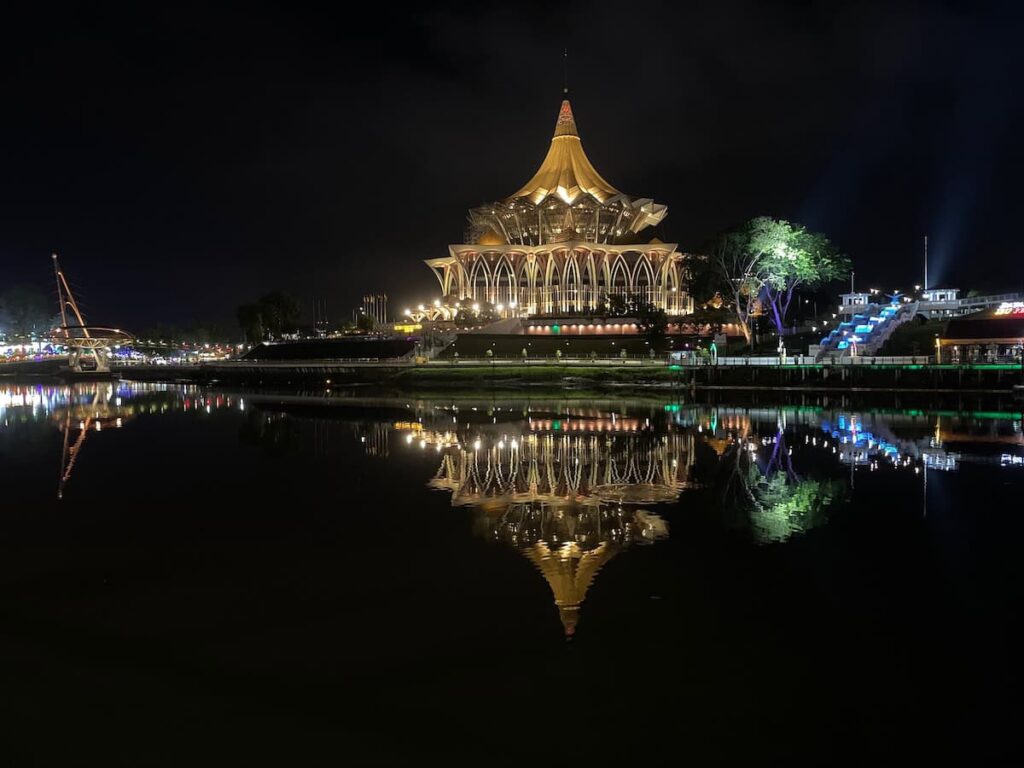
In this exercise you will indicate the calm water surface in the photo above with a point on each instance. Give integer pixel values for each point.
(195, 575)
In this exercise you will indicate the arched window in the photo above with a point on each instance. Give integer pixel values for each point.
(571, 298)
(643, 281)
(479, 279)
(553, 287)
(524, 295)
(588, 284)
(620, 278)
(504, 282)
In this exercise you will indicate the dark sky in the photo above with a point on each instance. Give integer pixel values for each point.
(182, 159)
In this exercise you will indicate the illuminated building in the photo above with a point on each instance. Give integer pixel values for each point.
(564, 242)
(995, 336)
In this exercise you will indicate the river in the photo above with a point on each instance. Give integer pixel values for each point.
(193, 574)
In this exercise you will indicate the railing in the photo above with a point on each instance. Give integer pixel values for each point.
(826, 361)
(906, 313)
(773, 361)
(975, 301)
(242, 363)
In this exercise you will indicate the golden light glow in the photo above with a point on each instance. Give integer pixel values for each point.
(566, 170)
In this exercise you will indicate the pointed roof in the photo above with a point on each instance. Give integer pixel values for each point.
(566, 171)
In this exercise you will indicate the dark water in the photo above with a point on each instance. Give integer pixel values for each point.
(195, 576)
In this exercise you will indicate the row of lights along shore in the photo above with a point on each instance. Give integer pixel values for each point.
(580, 326)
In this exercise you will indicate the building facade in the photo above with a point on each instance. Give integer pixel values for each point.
(563, 243)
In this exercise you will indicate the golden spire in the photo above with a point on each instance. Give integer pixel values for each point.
(566, 123)
(566, 171)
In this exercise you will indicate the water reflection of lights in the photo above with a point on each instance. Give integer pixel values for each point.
(569, 543)
(570, 467)
(80, 409)
(567, 501)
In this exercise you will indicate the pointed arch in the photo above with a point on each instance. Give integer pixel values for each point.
(604, 279)
(571, 283)
(588, 288)
(620, 283)
(504, 287)
(552, 285)
(643, 279)
(675, 296)
(479, 279)
(525, 283)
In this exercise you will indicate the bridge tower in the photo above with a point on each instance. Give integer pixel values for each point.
(84, 342)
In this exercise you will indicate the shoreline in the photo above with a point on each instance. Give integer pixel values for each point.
(982, 379)
(997, 380)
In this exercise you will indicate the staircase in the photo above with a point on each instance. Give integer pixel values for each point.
(510, 325)
(443, 341)
(866, 331)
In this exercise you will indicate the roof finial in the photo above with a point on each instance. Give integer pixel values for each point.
(565, 71)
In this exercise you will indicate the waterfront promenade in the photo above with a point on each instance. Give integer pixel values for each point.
(879, 373)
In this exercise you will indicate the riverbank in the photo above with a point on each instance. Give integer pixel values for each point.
(600, 375)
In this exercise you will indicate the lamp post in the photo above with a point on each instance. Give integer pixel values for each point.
(926, 262)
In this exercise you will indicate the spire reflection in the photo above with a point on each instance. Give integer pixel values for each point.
(567, 502)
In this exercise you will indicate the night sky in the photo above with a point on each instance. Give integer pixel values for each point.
(184, 159)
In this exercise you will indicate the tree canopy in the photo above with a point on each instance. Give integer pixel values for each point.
(275, 313)
(798, 259)
(760, 264)
(651, 321)
(24, 311)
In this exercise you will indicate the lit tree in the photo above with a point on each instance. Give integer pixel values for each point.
(738, 257)
(763, 262)
(799, 259)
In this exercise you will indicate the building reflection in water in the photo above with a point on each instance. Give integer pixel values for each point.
(567, 501)
(570, 542)
(570, 486)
